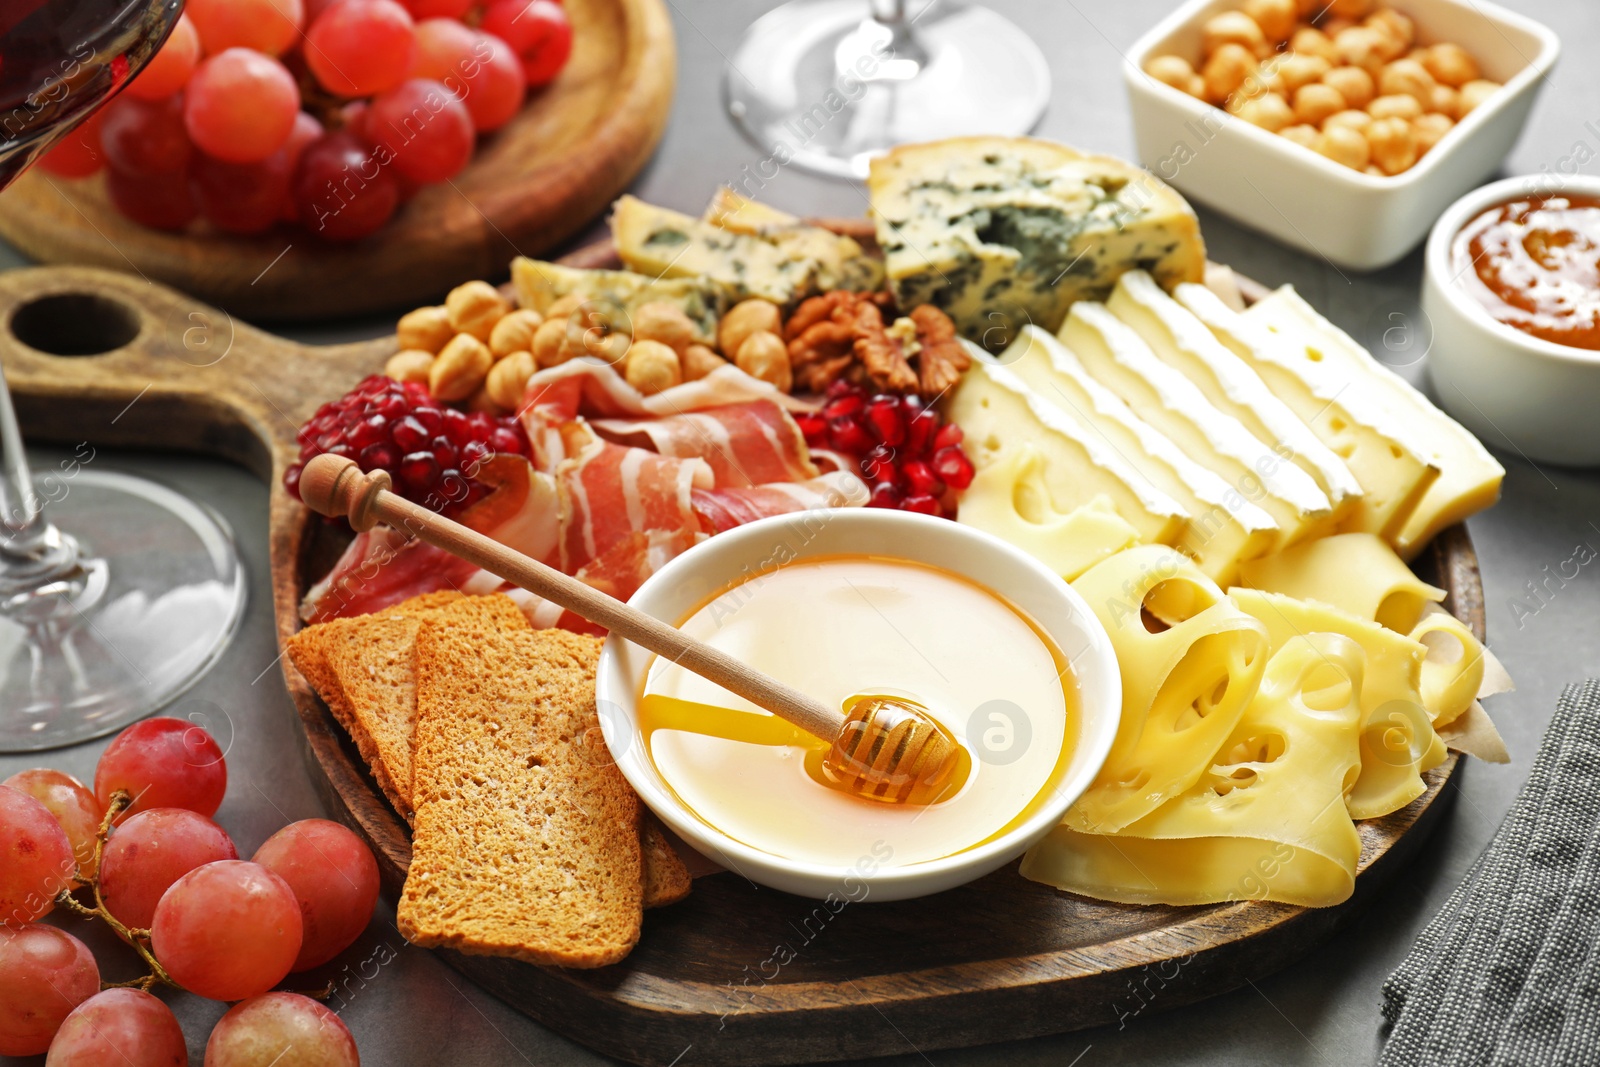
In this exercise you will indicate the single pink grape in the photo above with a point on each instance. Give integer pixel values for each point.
(150, 852)
(119, 1027)
(36, 860)
(344, 189)
(255, 1033)
(240, 106)
(44, 974)
(146, 138)
(228, 930)
(269, 26)
(335, 880)
(169, 69)
(77, 810)
(427, 128)
(479, 68)
(159, 201)
(361, 47)
(164, 763)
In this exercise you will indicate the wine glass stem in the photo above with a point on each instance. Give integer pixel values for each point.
(25, 529)
(889, 12)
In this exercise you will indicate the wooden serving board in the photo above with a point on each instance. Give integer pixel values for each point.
(998, 959)
(533, 184)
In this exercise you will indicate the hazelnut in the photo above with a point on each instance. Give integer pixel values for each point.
(1429, 130)
(1473, 94)
(1450, 64)
(1226, 71)
(1314, 103)
(652, 367)
(425, 329)
(1361, 47)
(1344, 145)
(1446, 101)
(508, 379)
(764, 355)
(1398, 106)
(1394, 145)
(410, 365)
(1348, 9)
(460, 368)
(745, 318)
(1295, 69)
(1275, 17)
(1310, 41)
(475, 307)
(1350, 120)
(549, 343)
(1233, 27)
(667, 323)
(1353, 83)
(1269, 111)
(514, 333)
(1171, 70)
(699, 361)
(563, 305)
(1395, 26)
(1305, 136)
(1407, 77)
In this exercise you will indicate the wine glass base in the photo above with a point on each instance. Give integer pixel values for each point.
(818, 84)
(157, 592)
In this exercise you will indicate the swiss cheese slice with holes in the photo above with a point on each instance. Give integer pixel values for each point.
(1453, 670)
(1469, 477)
(1397, 745)
(1266, 821)
(997, 410)
(1190, 663)
(1354, 571)
(1224, 528)
(1008, 498)
(1171, 403)
(1371, 441)
(1182, 342)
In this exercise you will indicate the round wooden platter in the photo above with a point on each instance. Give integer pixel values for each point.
(542, 178)
(744, 975)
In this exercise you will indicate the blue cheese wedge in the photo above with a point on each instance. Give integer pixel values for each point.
(617, 294)
(1002, 232)
(1172, 404)
(784, 265)
(1000, 414)
(1373, 443)
(1224, 528)
(1469, 477)
(1183, 342)
(841, 263)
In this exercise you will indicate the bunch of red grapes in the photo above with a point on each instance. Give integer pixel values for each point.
(170, 881)
(394, 95)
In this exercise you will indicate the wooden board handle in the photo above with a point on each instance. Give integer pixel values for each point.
(334, 485)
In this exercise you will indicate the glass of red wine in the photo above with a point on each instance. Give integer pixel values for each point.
(829, 84)
(116, 593)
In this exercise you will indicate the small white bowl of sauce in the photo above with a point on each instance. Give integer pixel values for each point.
(845, 602)
(1511, 289)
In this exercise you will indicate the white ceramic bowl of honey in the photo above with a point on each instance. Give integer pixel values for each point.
(839, 603)
(1514, 389)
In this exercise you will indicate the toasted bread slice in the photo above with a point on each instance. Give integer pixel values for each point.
(525, 845)
(666, 879)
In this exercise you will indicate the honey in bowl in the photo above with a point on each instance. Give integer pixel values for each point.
(841, 628)
(1534, 264)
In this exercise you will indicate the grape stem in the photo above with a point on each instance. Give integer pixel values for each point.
(121, 801)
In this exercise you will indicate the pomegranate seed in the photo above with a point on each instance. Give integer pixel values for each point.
(341, 449)
(813, 426)
(418, 393)
(409, 434)
(291, 480)
(884, 495)
(445, 452)
(844, 406)
(847, 435)
(379, 457)
(457, 426)
(953, 466)
(419, 470)
(369, 431)
(888, 419)
(505, 439)
(923, 505)
(473, 454)
(919, 433)
(432, 419)
(949, 435)
(839, 387)
(921, 478)
(879, 466)
(372, 385)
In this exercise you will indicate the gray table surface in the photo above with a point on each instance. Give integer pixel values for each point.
(413, 1010)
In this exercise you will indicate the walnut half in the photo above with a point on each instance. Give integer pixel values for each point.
(843, 335)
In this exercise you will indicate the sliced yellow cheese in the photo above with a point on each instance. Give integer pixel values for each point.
(1355, 571)
(1265, 822)
(1224, 528)
(1395, 747)
(1007, 498)
(997, 410)
(1372, 442)
(1469, 477)
(1182, 341)
(1452, 672)
(1172, 404)
(1183, 688)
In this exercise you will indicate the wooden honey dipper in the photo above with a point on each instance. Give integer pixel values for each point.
(883, 748)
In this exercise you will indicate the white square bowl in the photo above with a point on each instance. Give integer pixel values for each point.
(1352, 219)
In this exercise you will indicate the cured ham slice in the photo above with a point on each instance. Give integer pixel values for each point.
(589, 387)
(745, 444)
(625, 512)
(379, 569)
(719, 510)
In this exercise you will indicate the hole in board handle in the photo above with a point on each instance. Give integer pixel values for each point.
(75, 324)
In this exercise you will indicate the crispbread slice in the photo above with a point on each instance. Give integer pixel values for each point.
(524, 845)
(666, 879)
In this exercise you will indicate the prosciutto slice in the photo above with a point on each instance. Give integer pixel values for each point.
(625, 512)
(379, 569)
(719, 510)
(745, 444)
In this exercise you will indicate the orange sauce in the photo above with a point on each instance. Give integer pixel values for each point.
(838, 627)
(1534, 264)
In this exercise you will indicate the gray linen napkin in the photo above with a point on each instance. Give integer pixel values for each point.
(1508, 972)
